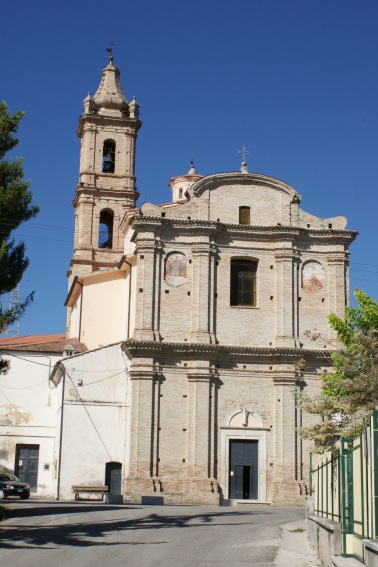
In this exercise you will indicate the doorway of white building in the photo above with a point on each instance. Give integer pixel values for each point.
(113, 478)
(243, 470)
(26, 464)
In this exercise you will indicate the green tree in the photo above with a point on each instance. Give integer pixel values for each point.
(15, 207)
(350, 392)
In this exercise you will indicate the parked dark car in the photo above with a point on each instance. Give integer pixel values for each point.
(10, 485)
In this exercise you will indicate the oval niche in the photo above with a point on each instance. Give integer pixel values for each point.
(312, 277)
(176, 270)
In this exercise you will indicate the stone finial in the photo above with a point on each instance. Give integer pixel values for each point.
(192, 170)
(244, 167)
(134, 108)
(89, 104)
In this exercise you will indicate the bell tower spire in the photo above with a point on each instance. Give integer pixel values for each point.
(106, 190)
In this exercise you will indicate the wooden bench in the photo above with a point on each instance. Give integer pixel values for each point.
(85, 489)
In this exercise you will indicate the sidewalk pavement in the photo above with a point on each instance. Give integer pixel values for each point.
(295, 548)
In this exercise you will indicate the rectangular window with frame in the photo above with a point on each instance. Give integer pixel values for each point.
(244, 215)
(243, 283)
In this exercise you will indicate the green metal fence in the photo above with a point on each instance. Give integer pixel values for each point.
(345, 488)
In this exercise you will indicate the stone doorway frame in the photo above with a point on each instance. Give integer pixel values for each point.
(229, 433)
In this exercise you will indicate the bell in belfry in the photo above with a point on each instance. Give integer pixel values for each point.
(108, 163)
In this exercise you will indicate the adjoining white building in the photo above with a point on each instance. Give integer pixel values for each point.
(198, 315)
(28, 407)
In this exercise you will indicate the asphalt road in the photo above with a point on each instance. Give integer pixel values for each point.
(78, 534)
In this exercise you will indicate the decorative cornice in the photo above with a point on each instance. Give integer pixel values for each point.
(140, 220)
(142, 375)
(200, 377)
(134, 346)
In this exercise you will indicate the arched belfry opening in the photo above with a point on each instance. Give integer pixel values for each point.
(105, 234)
(108, 159)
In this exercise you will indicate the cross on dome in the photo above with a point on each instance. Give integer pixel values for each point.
(244, 152)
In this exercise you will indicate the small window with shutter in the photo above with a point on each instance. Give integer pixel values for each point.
(244, 215)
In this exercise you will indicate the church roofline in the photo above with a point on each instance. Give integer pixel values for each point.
(132, 345)
(214, 180)
(79, 281)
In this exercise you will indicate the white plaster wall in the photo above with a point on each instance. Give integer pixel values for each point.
(104, 309)
(130, 299)
(95, 417)
(74, 318)
(27, 413)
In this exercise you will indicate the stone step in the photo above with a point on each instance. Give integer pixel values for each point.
(244, 503)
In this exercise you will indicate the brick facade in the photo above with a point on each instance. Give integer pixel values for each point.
(204, 359)
(209, 376)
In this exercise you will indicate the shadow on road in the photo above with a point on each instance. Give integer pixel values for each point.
(55, 509)
(52, 533)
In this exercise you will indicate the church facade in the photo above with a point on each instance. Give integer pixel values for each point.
(203, 317)
(219, 300)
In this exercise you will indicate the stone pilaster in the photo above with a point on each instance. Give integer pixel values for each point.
(143, 434)
(336, 283)
(203, 287)
(145, 289)
(285, 296)
(285, 486)
(199, 422)
(201, 486)
(296, 288)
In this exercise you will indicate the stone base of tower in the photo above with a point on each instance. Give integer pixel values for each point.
(173, 491)
(289, 493)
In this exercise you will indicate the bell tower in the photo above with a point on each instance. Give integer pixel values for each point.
(106, 189)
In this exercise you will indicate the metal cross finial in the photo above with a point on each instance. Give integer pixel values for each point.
(243, 152)
(110, 49)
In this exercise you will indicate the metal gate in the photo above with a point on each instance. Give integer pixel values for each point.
(243, 481)
(26, 465)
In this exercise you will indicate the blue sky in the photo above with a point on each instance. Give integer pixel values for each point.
(296, 81)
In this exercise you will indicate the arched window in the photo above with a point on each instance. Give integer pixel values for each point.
(108, 159)
(243, 283)
(105, 236)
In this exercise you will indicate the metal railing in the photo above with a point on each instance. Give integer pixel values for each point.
(344, 485)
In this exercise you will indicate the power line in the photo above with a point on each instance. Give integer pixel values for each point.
(24, 387)
(43, 238)
(88, 414)
(366, 271)
(362, 279)
(5, 352)
(37, 225)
